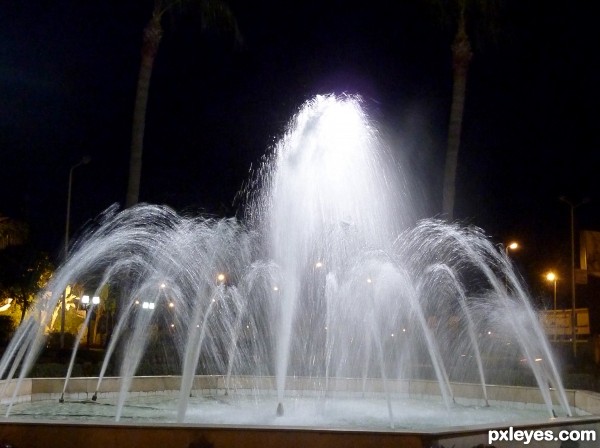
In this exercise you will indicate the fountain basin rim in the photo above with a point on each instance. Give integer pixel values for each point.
(82, 388)
(95, 434)
(434, 431)
(26, 434)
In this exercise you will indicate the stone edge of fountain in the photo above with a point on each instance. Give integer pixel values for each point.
(24, 434)
(36, 389)
(27, 434)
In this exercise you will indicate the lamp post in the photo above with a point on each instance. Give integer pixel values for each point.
(513, 245)
(85, 301)
(551, 277)
(573, 300)
(84, 160)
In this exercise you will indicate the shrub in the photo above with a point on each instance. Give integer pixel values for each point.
(53, 340)
(7, 327)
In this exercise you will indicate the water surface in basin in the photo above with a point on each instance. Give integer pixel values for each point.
(348, 412)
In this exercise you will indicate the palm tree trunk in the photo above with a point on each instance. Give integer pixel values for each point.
(152, 37)
(461, 57)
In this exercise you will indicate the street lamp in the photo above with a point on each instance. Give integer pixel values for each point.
(511, 246)
(551, 277)
(84, 160)
(85, 302)
(573, 300)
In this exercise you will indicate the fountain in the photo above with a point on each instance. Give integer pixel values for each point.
(327, 301)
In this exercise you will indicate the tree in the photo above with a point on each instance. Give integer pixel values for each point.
(461, 57)
(24, 273)
(483, 10)
(213, 13)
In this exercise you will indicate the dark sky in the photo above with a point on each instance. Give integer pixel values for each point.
(68, 72)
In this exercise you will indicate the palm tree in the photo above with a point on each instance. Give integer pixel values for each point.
(212, 13)
(461, 58)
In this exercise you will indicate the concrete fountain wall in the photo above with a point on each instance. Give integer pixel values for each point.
(36, 389)
(92, 434)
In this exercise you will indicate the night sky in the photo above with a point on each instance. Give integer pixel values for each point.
(68, 72)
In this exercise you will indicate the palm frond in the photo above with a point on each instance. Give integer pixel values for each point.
(215, 15)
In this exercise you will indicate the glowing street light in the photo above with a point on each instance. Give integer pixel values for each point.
(85, 300)
(513, 245)
(221, 278)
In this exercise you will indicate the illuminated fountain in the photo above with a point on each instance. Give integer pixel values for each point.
(328, 291)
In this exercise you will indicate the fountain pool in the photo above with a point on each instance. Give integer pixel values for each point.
(361, 413)
(243, 414)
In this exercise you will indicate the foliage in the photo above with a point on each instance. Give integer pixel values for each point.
(23, 273)
(484, 18)
(108, 299)
(52, 370)
(7, 327)
(214, 15)
(53, 339)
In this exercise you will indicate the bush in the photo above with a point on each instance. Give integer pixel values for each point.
(7, 327)
(53, 340)
(53, 370)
